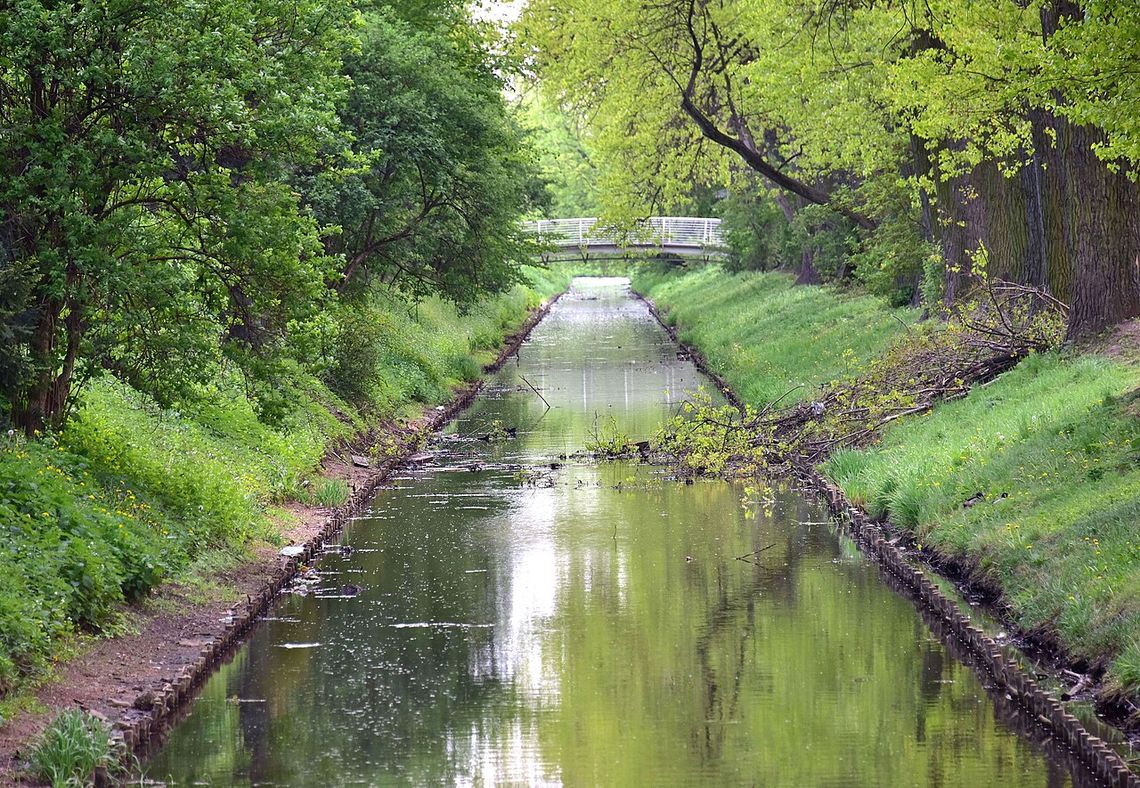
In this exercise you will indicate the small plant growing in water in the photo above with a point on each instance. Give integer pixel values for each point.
(497, 431)
(606, 440)
(72, 748)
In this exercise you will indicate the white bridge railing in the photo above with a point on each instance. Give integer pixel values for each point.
(677, 232)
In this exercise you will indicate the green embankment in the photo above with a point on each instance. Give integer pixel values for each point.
(129, 494)
(1053, 448)
(766, 335)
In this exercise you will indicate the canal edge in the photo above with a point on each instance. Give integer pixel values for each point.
(1095, 754)
(140, 734)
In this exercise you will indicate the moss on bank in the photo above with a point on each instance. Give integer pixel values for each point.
(129, 492)
(1032, 479)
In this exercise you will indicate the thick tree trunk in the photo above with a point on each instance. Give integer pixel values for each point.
(1050, 180)
(962, 229)
(43, 401)
(1099, 213)
(807, 274)
(1104, 227)
(31, 404)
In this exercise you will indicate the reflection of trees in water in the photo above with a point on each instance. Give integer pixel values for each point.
(254, 719)
(731, 622)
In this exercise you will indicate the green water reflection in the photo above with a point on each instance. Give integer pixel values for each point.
(585, 625)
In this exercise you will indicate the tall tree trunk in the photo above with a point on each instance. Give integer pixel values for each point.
(1050, 179)
(31, 403)
(807, 274)
(1100, 216)
(44, 399)
(962, 228)
(1103, 208)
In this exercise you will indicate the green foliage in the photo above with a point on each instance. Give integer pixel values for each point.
(72, 748)
(566, 162)
(145, 220)
(76, 548)
(132, 492)
(1100, 49)
(389, 353)
(436, 173)
(757, 233)
(325, 492)
(1052, 450)
(606, 439)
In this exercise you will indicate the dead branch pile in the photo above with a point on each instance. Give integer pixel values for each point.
(930, 365)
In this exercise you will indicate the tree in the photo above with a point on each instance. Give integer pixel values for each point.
(565, 156)
(1001, 93)
(437, 169)
(1000, 130)
(145, 224)
(684, 91)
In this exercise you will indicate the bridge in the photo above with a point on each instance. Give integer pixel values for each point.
(681, 236)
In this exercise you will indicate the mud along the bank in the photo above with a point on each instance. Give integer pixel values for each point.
(152, 714)
(1037, 706)
(139, 682)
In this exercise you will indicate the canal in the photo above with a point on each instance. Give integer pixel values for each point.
(507, 614)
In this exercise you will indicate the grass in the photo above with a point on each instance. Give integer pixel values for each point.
(71, 749)
(1053, 447)
(326, 492)
(765, 335)
(130, 494)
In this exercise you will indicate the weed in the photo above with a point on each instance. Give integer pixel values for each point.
(72, 748)
(606, 440)
(329, 493)
(497, 432)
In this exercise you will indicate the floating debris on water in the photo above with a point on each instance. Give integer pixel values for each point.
(439, 625)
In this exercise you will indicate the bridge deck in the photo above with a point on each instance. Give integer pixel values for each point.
(675, 235)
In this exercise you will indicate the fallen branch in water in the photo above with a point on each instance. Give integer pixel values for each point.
(536, 391)
(753, 554)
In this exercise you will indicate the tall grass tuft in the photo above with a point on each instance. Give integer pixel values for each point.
(72, 748)
(328, 493)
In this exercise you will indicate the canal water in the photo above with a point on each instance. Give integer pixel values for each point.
(507, 614)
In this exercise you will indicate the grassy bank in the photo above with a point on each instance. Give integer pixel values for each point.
(129, 493)
(1052, 449)
(764, 334)
(1031, 480)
